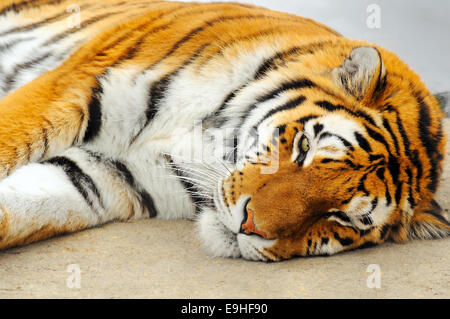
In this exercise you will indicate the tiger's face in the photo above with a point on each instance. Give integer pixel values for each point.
(335, 177)
(324, 171)
(321, 161)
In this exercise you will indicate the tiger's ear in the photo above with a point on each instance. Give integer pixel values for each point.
(362, 74)
(429, 223)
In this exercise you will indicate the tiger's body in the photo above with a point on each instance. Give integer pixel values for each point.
(106, 120)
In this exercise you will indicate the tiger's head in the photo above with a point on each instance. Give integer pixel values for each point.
(346, 156)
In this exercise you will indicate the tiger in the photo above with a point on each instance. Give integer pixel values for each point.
(276, 135)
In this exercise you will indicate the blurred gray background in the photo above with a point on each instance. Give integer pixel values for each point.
(417, 31)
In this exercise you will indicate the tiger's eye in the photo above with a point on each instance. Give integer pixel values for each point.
(305, 144)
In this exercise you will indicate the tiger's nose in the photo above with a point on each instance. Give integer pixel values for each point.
(248, 226)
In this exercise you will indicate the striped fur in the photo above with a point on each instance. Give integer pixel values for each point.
(278, 135)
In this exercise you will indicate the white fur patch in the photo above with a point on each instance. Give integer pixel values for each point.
(217, 239)
(252, 246)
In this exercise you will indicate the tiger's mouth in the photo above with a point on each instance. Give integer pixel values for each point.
(224, 234)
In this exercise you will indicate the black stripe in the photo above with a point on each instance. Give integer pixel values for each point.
(45, 138)
(124, 173)
(404, 136)
(82, 182)
(317, 129)
(292, 85)
(332, 107)
(361, 186)
(393, 163)
(436, 211)
(411, 200)
(190, 187)
(384, 230)
(430, 142)
(305, 119)
(379, 159)
(28, 151)
(186, 38)
(381, 83)
(366, 220)
(388, 196)
(159, 88)
(12, 43)
(135, 49)
(363, 143)
(379, 138)
(48, 126)
(418, 164)
(10, 79)
(287, 106)
(340, 215)
(330, 160)
(328, 134)
(95, 115)
(401, 129)
(58, 37)
(38, 23)
(348, 200)
(156, 94)
(281, 129)
(352, 165)
(363, 232)
(273, 63)
(279, 58)
(17, 7)
(145, 198)
(222, 19)
(412, 155)
(147, 202)
(197, 30)
(131, 51)
(388, 127)
(346, 241)
(394, 166)
(228, 98)
(374, 203)
(235, 148)
(63, 14)
(394, 169)
(380, 174)
(398, 193)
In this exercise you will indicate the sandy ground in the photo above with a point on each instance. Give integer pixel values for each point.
(162, 259)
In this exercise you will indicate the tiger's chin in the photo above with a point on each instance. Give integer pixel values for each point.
(219, 241)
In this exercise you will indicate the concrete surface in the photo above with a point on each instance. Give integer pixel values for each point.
(162, 259)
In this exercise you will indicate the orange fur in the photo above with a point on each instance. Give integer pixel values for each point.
(57, 104)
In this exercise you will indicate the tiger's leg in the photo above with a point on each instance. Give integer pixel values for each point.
(327, 237)
(71, 192)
